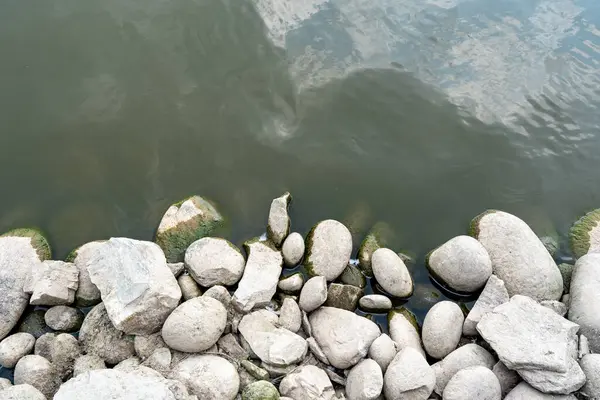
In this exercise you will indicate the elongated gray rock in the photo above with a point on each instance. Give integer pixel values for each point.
(590, 364)
(494, 293)
(462, 263)
(584, 307)
(208, 377)
(469, 355)
(21, 392)
(391, 273)
(313, 294)
(364, 381)
(188, 286)
(293, 249)
(473, 383)
(307, 382)
(87, 293)
(52, 283)
(383, 350)
(139, 291)
(442, 329)
(525, 392)
(214, 261)
(329, 245)
(518, 256)
(375, 302)
(39, 373)
(278, 226)
(403, 330)
(15, 347)
(260, 278)
(408, 376)
(64, 350)
(343, 336)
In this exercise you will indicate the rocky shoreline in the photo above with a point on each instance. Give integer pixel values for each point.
(190, 316)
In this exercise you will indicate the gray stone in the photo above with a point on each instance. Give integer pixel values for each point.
(556, 306)
(364, 381)
(254, 370)
(469, 355)
(316, 350)
(39, 373)
(353, 276)
(584, 347)
(590, 364)
(403, 330)
(307, 383)
(584, 307)
(138, 289)
(64, 350)
(584, 234)
(261, 390)
(195, 325)
(129, 365)
(219, 293)
(566, 270)
(375, 302)
(208, 377)
(230, 346)
(34, 323)
(159, 361)
(52, 283)
(21, 392)
(391, 273)
(383, 350)
(473, 383)
(525, 392)
(176, 268)
(43, 345)
(278, 226)
(214, 261)
(380, 235)
(462, 263)
(329, 245)
(290, 316)
(343, 336)
(343, 296)
(188, 286)
(518, 256)
(408, 377)
(313, 294)
(15, 347)
(306, 324)
(261, 275)
(87, 293)
(63, 318)
(555, 382)
(508, 378)
(494, 293)
(146, 345)
(550, 243)
(88, 362)
(293, 249)
(5, 383)
(276, 371)
(442, 329)
(336, 378)
(292, 283)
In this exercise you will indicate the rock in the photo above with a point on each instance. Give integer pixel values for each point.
(382, 351)
(39, 373)
(408, 376)
(43, 345)
(184, 223)
(317, 351)
(261, 275)
(176, 268)
(508, 378)
(337, 378)
(188, 286)
(584, 308)
(275, 346)
(63, 318)
(584, 347)
(556, 306)
(550, 243)
(527, 335)
(566, 270)
(518, 257)
(590, 364)
(254, 370)
(214, 261)
(261, 390)
(138, 289)
(88, 362)
(461, 263)
(290, 316)
(208, 377)
(230, 346)
(313, 294)
(98, 336)
(525, 392)
(131, 364)
(353, 276)
(469, 355)
(64, 350)
(375, 302)
(306, 324)
(87, 293)
(584, 235)
(391, 273)
(275, 371)
(21, 250)
(195, 325)
(555, 382)
(404, 330)
(343, 336)
(292, 283)
(494, 293)
(21, 392)
(5, 383)
(473, 383)
(293, 249)
(343, 296)
(159, 361)
(219, 293)
(52, 283)
(307, 383)
(329, 245)
(278, 226)
(365, 381)
(34, 323)
(15, 347)
(442, 329)
(146, 345)
(379, 236)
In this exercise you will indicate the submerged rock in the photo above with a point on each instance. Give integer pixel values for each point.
(208, 377)
(343, 296)
(293, 249)
(408, 376)
(52, 283)
(442, 329)
(584, 300)
(214, 261)
(584, 235)
(307, 382)
(391, 273)
(329, 245)
(494, 293)
(379, 236)
(278, 226)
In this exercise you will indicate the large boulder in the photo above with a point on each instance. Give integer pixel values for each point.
(21, 250)
(585, 298)
(214, 261)
(184, 223)
(278, 226)
(138, 289)
(391, 273)
(307, 382)
(584, 235)
(52, 283)
(87, 293)
(329, 245)
(208, 377)
(494, 293)
(518, 256)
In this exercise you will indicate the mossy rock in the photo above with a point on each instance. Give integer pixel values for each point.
(380, 235)
(474, 225)
(261, 390)
(407, 314)
(38, 240)
(579, 235)
(343, 296)
(184, 223)
(353, 276)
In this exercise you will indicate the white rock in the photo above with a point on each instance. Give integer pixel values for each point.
(584, 307)
(214, 261)
(261, 275)
(317, 351)
(87, 293)
(146, 345)
(39, 373)
(63, 318)
(584, 346)
(555, 382)
(208, 377)
(408, 377)
(188, 286)
(176, 268)
(15, 347)
(307, 383)
(462, 263)
(556, 306)
(590, 364)
(293, 249)
(364, 381)
(290, 316)
(64, 350)
(21, 392)
(343, 336)
(518, 256)
(219, 293)
(88, 362)
(159, 361)
(473, 383)
(43, 345)
(442, 329)
(5, 383)
(275, 346)
(525, 392)
(52, 283)
(278, 226)
(313, 294)
(328, 251)
(292, 283)
(494, 293)
(403, 332)
(469, 355)
(391, 273)
(375, 302)
(383, 350)
(195, 325)
(508, 378)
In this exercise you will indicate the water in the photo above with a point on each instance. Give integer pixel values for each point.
(418, 113)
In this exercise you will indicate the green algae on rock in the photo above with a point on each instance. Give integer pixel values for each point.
(261, 390)
(38, 240)
(328, 249)
(584, 235)
(185, 222)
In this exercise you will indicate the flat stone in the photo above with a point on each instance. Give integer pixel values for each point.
(313, 294)
(86, 363)
(316, 350)
(344, 336)
(343, 296)
(408, 376)
(214, 261)
(585, 234)
(375, 302)
(278, 226)
(473, 383)
(442, 329)
(308, 383)
(145, 345)
(63, 318)
(52, 283)
(290, 316)
(518, 256)
(525, 392)
(329, 245)
(353, 276)
(39, 373)
(208, 377)
(261, 275)
(590, 364)
(584, 307)
(21, 392)
(494, 293)
(87, 293)
(364, 381)
(292, 283)
(391, 273)
(293, 249)
(508, 378)
(403, 330)
(15, 347)
(555, 382)
(383, 350)
(261, 390)
(462, 263)
(556, 306)
(188, 286)
(469, 355)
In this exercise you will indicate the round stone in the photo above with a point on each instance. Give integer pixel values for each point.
(214, 261)
(375, 302)
(442, 329)
(15, 347)
(364, 381)
(474, 383)
(292, 283)
(329, 245)
(39, 373)
(208, 377)
(293, 249)
(261, 390)
(63, 318)
(313, 294)
(391, 273)
(88, 362)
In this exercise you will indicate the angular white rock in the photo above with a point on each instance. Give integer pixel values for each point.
(15, 347)
(391, 273)
(403, 332)
(329, 249)
(290, 316)
(208, 377)
(313, 294)
(293, 249)
(138, 289)
(21, 392)
(214, 261)
(307, 383)
(375, 302)
(408, 376)
(278, 226)
(292, 283)
(525, 392)
(383, 350)
(469, 355)
(555, 382)
(442, 329)
(590, 364)
(473, 383)
(556, 306)
(494, 293)
(364, 381)
(52, 283)
(87, 293)
(584, 308)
